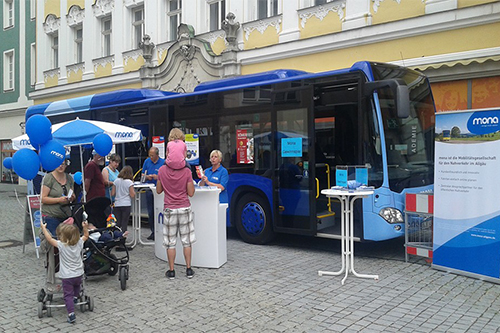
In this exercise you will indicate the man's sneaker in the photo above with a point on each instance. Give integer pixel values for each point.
(151, 237)
(170, 274)
(189, 272)
(71, 318)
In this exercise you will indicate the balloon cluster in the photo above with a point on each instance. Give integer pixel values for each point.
(51, 153)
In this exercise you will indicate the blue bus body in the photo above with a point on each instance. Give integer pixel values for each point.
(343, 117)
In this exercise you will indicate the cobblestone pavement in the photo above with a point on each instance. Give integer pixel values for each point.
(272, 288)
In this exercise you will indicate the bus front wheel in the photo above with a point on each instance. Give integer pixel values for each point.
(253, 219)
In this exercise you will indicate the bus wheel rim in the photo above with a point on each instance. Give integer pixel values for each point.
(253, 218)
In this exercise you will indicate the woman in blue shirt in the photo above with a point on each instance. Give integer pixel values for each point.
(217, 175)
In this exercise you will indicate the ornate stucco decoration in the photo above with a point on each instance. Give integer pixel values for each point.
(51, 73)
(103, 62)
(52, 24)
(231, 27)
(147, 47)
(75, 16)
(320, 12)
(103, 8)
(214, 35)
(131, 55)
(132, 3)
(262, 25)
(376, 4)
(75, 68)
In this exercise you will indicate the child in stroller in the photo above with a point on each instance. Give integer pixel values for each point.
(98, 258)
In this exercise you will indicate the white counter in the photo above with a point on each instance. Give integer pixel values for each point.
(209, 250)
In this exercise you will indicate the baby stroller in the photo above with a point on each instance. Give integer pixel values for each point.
(53, 285)
(97, 256)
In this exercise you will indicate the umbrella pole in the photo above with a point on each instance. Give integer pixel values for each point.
(83, 175)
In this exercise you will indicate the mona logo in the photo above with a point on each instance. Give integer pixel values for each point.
(484, 122)
(25, 142)
(58, 155)
(124, 134)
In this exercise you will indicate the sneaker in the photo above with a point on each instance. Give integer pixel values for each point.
(189, 272)
(71, 318)
(75, 300)
(151, 237)
(170, 274)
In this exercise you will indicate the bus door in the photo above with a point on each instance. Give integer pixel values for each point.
(336, 142)
(293, 181)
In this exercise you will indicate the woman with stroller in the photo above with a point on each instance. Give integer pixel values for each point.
(71, 270)
(123, 190)
(57, 193)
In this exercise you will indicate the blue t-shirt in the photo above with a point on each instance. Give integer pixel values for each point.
(152, 168)
(219, 176)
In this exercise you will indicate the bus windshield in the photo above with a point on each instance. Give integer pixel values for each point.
(409, 142)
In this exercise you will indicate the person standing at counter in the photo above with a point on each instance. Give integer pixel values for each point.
(94, 183)
(150, 170)
(217, 175)
(110, 173)
(178, 217)
(123, 189)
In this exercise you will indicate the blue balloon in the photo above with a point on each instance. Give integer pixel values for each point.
(78, 177)
(26, 163)
(103, 144)
(7, 162)
(39, 130)
(52, 155)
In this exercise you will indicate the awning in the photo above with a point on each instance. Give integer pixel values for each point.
(96, 101)
(463, 62)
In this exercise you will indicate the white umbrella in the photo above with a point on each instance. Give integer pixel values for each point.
(79, 132)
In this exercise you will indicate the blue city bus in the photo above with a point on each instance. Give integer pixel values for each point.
(282, 134)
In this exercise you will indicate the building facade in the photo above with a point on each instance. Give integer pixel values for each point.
(90, 46)
(17, 68)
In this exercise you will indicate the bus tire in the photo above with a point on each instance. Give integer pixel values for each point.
(253, 219)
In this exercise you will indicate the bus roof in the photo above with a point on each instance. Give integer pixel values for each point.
(138, 96)
(89, 102)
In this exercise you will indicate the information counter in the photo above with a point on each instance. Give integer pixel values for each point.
(209, 250)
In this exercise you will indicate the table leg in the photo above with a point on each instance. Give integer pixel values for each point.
(351, 240)
(342, 244)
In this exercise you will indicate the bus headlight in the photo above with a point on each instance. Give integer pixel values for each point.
(391, 215)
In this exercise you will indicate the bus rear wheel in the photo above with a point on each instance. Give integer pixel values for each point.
(253, 219)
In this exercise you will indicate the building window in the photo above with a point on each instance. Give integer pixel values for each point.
(8, 14)
(106, 36)
(174, 15)
(267, 8)
(55, 51)
(319, 2)
(33, 65)
(137, 26)
(32, 9)
(217, 13)
(78, 44)
(8, 70)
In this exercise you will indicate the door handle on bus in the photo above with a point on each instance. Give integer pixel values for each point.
(317, 188)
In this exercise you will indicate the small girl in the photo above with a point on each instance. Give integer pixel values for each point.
(176, 150)
(70, 246)
(123, 190)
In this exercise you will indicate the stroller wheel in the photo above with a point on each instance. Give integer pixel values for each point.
(90, 303)
(123, 277)
(49, 309)
(41, 295)
(82, 304)
(40, 309)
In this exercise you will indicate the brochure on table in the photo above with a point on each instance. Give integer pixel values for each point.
(466, 207)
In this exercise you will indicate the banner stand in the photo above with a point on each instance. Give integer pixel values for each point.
(36, 218)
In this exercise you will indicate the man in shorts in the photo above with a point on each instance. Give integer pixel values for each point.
(178, 217)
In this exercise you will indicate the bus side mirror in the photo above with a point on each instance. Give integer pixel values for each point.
(399, 90)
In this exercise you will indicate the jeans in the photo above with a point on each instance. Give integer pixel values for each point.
(151, 211)
(52, 223)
